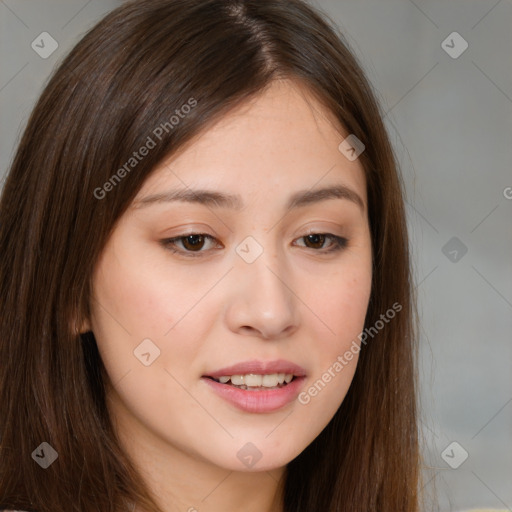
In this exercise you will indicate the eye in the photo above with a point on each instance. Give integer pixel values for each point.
(317, 240)
(193, 244)
(188, 245)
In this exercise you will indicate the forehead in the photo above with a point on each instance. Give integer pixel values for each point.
(281, 139)
(285, 106)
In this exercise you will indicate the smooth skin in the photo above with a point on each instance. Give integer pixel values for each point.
(205, 307)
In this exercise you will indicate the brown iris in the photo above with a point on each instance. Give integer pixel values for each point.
(193, 242)
(317, 241)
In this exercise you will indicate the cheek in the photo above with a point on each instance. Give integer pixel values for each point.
(339, 313)
(142, 293)
(139, 318)
(340, 305)
(142, 308)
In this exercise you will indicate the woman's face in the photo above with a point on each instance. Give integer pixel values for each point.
(269, 268)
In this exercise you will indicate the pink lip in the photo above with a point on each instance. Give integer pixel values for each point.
(259, 368)
(258, 401)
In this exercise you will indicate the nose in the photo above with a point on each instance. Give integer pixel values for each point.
(262, 301)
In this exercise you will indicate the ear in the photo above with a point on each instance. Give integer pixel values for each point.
(81, 327)
(85, 327)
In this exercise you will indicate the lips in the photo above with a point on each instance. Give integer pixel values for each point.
(258, 399)
(259, 368)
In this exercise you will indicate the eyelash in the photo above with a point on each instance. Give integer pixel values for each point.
(338, 243)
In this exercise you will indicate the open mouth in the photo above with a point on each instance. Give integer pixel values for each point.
(256, 382)
(257, 391)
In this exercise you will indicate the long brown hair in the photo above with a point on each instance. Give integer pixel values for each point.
(122, 81)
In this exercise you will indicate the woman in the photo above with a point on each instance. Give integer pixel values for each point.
(205, 286)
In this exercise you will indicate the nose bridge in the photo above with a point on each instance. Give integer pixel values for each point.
(262, 298)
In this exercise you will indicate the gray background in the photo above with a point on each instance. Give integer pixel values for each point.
(450, 121)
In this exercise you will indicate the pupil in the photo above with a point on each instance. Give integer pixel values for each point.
(193, 242)
(317, 240)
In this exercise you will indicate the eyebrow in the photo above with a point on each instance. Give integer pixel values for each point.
(213, 198)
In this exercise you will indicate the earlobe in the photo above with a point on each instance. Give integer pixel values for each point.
(82, 327)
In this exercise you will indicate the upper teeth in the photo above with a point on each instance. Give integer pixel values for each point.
(253, 380)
